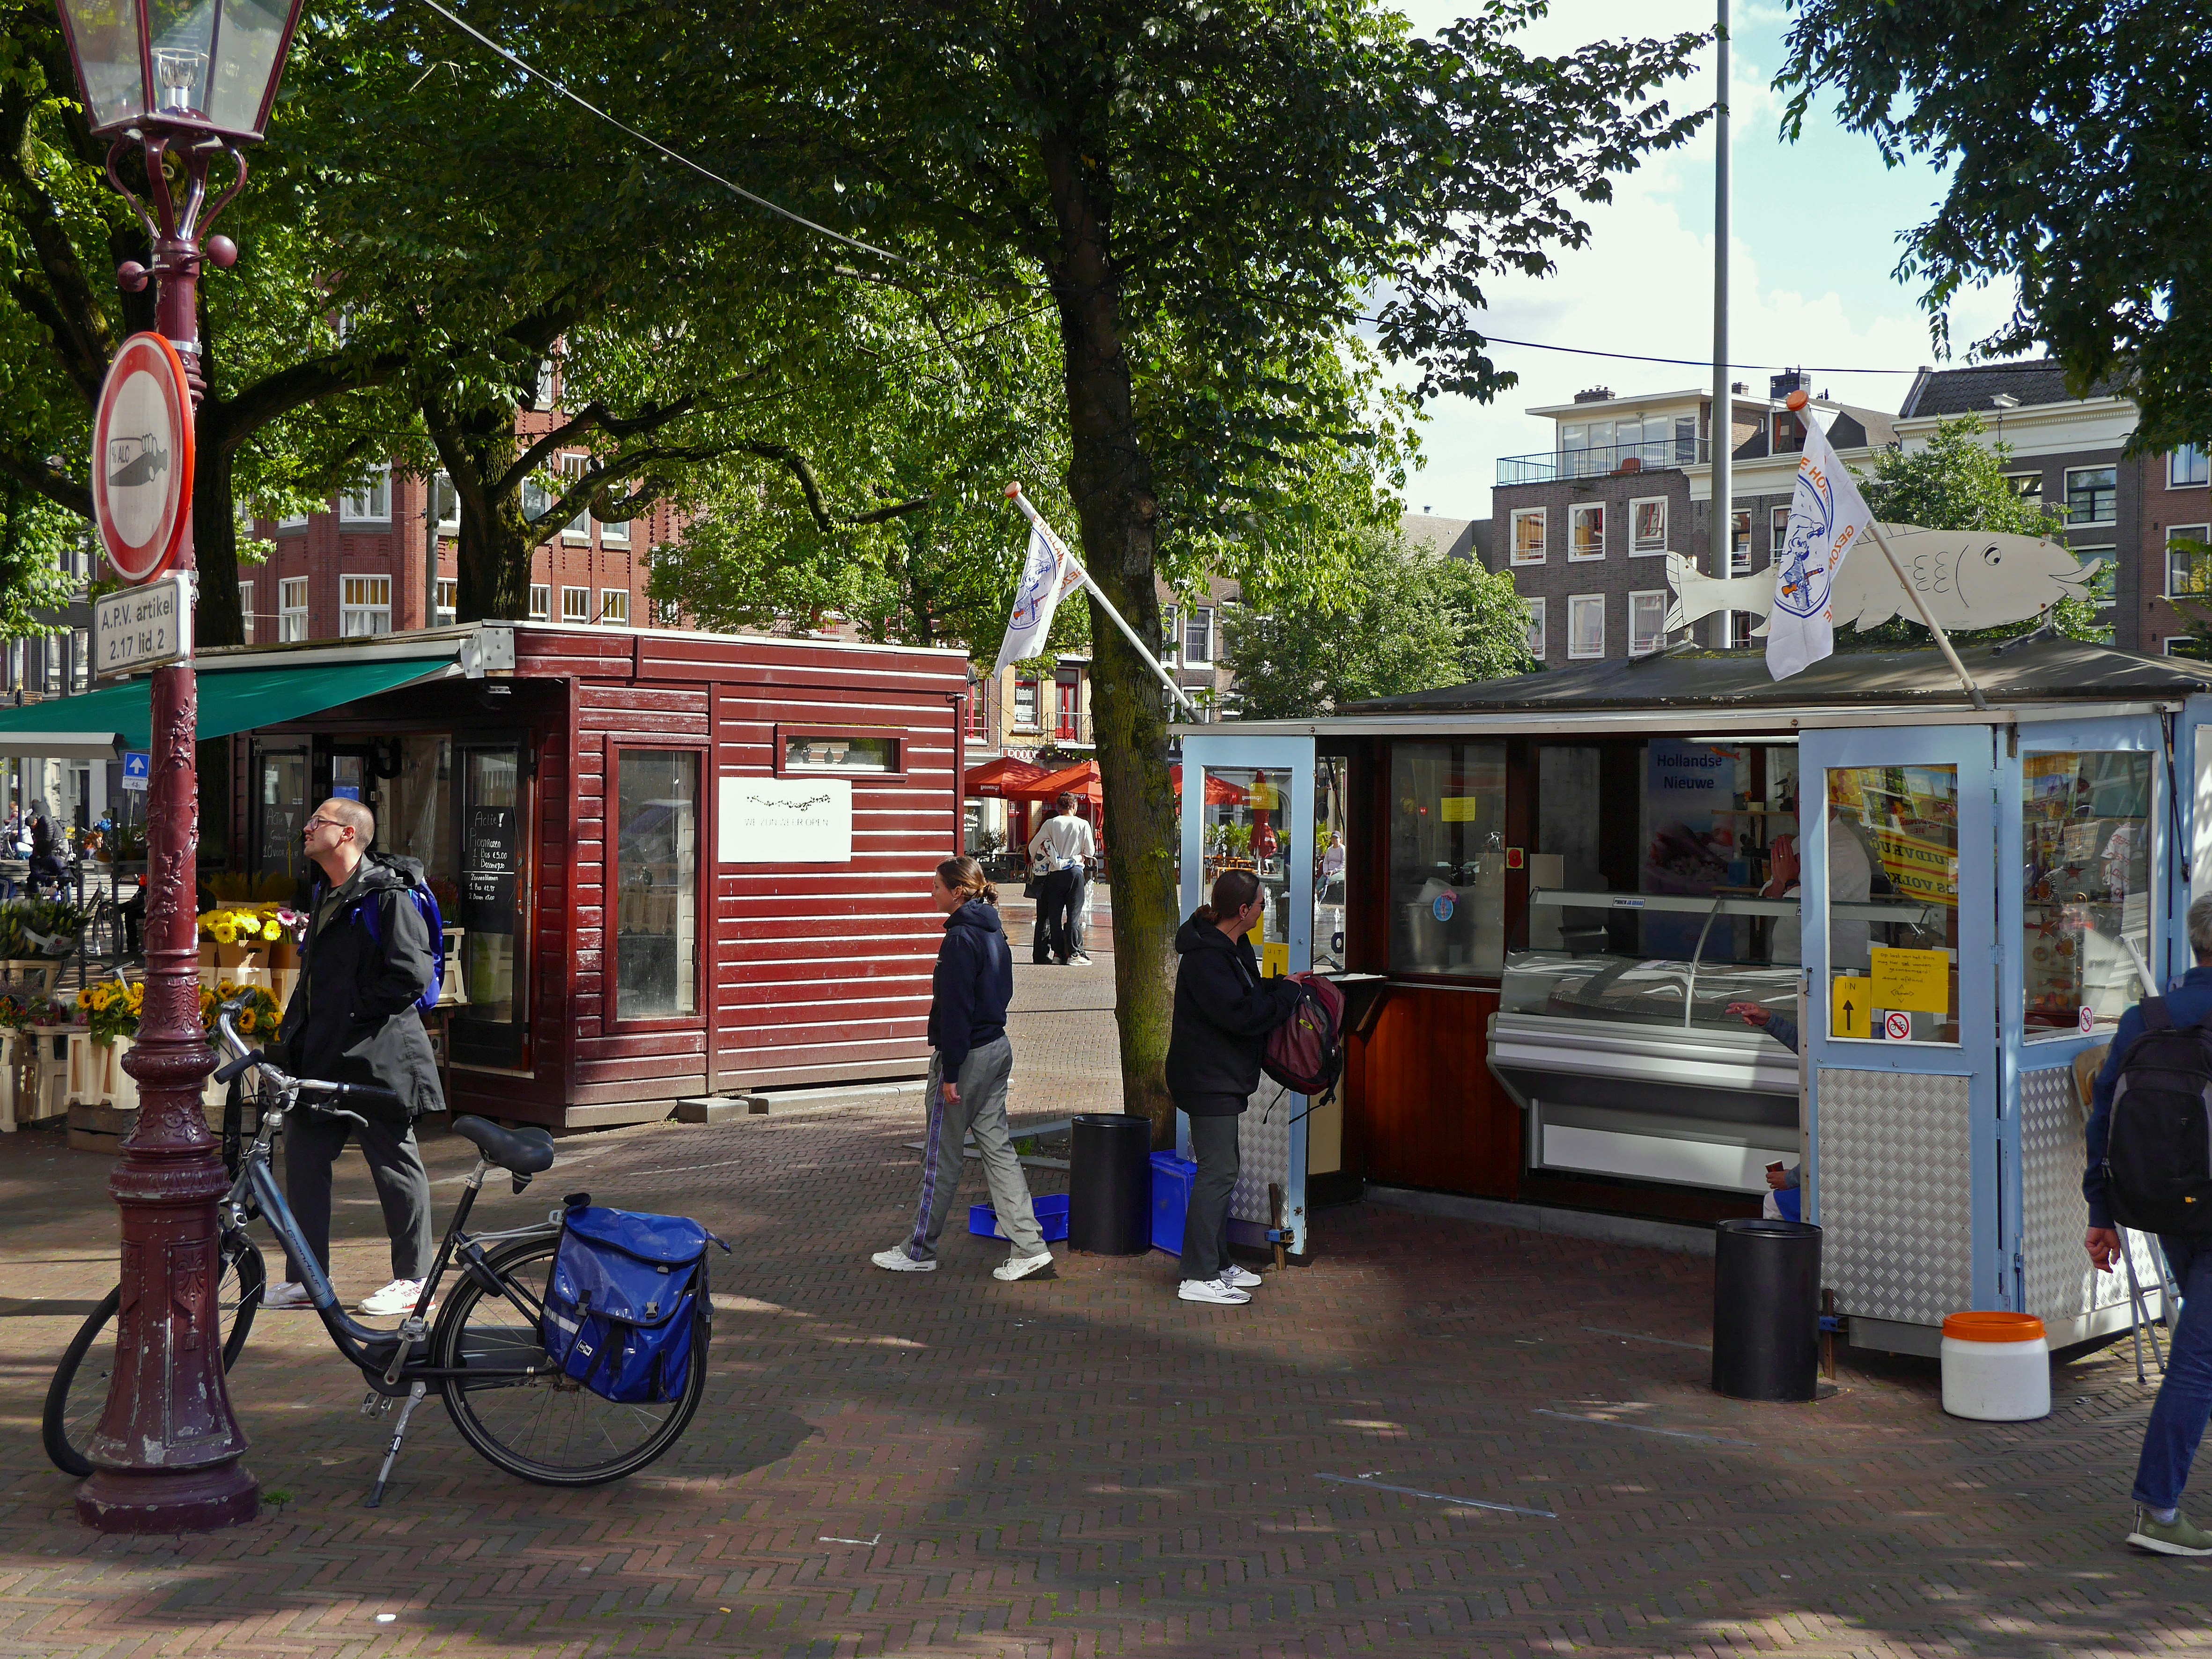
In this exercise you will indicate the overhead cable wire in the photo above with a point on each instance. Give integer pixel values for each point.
(1686, 363)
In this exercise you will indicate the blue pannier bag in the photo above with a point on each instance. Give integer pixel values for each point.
(621, 1299)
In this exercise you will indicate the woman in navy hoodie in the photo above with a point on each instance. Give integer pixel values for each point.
(1222, 1013)
(971, 1063)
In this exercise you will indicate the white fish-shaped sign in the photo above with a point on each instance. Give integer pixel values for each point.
(1968, 578)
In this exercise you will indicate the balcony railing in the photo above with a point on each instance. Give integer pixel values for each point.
(1603, 461)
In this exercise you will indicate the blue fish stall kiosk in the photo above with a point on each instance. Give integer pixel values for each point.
(1562, 904)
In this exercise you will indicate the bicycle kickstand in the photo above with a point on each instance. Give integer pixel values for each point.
(398, 1433)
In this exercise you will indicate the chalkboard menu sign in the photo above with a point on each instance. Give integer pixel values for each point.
(487, 871)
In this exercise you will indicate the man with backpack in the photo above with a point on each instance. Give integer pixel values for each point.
(369, 963)
(1061, 851)
(2150, 1168)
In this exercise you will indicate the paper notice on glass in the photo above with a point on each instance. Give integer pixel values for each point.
(1916, 980)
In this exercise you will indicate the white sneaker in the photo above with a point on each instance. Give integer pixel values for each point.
(1212, 1290)
(287, 1297)
(1239, 1279)
(1021, 1267)
(899, 1261)
(397, 1298)
(1078, 960)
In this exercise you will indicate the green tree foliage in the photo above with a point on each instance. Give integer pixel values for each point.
(1958, 482)
(1411, 621)
(2074, 132)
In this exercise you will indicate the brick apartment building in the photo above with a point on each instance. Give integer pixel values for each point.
(2176, 497)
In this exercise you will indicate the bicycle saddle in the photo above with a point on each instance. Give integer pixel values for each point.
(523, 1152)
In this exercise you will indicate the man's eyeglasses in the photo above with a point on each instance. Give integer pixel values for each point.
(322, 823)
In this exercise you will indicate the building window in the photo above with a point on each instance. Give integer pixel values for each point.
(979, 716)
(614, 604)
(541, 602)
(1901, 824)
(1067, 709)
(1586, 626)
(2092, 495)
(246, 612)
(1167, 635)
(1446, 878)
(2188, 466)
(614, 532)
(1739, 542)
(1025, 705)
(2083, 810)
(1535, 628)
(578, 529)
(837, 751)
(1647, 622)
(449, 503)
(1586, 531)
(656, 881)
(2028, 486)
(1647, 525)
(292, 608)
(449, 600)
(364, 606)
(1788, 433)
(576, 604)
(79, 661)
(1528, 535)
(292, 521)
(2184, 645)
(1777, 533)
(49, 653)
(1739, 624)
(2188, 561)
(1198, 636)
(665, 613)
(371, 503)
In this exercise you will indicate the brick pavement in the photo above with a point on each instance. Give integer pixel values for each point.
(942, 1464)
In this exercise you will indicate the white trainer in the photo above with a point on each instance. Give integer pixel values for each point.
(1021, 1267)
(398, 1296)
(1239, 1279)
(1078, 960)
(1213, 1291)
(898, 1261)
(286, 1297)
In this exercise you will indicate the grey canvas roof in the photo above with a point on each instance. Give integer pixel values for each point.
(2039, 669)
(1972, 391)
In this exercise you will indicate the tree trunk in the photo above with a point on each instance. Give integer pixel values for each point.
(496, 542)
(1109, 478)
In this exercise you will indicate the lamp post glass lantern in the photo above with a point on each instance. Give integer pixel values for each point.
(186, 83)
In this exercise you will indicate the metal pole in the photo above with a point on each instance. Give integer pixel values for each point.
(431, 556)
(1014, 494)
(1723, 417)
(164, 1455)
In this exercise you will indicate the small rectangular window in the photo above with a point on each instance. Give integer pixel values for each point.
(2028, 486)
(1649, 525)
(449, 503)
(1647, 623)
(614, 532)
(839, 751)
(1528, 535)
(369, 504)
(614, 604)
(2188, 561)
(246, 612)
(2092, 495)
(79, 661)
(656, 882)
(1535, 628)
(1777, 534)
(2189, 464)
(1893, 862)
(1586, 531)
(1168, 634)
(364, 606)
(541, 602)
(578, 529)
(576, 604)
(292, 615)
(1025, 705)
(1198, 636)
(1739, 544)
(1586, 626)
(449, 600)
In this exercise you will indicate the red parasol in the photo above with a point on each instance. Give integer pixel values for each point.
(1220, 792)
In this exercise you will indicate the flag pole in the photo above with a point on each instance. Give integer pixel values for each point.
(1796, 403)
(1014, 494)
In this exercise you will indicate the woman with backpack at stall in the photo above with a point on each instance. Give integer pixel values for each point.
(1223, 1011)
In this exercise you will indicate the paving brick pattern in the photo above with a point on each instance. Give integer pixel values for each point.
(942, 1464)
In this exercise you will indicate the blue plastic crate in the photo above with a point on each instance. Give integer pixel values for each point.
(1171, 1179)
(1051, 1214)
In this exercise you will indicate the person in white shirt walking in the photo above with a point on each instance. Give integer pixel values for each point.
(1061, 850)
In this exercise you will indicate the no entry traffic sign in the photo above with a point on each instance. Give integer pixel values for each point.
(142, 458)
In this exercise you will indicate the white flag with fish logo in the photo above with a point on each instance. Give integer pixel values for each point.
(1827, 518)
(1048, 575)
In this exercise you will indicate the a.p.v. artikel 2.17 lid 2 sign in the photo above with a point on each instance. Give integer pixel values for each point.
(142, 458)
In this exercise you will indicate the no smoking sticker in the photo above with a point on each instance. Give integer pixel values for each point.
(1897, 1026)
(2088, 1021)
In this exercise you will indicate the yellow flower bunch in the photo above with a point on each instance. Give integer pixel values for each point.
(112, 1010)
(237, 926)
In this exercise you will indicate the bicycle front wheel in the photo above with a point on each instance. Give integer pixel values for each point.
(78, 1393)
(546, 1428)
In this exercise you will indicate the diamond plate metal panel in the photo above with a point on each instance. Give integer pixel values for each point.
(1896, 1194)
(1263, 1148)
(2060, 1283)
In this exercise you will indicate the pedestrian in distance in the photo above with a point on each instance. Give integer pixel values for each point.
(2179, 1415)
(45, 850)
(366, 962)
(1223, 1011)
(970, 1064)
(1061, 851)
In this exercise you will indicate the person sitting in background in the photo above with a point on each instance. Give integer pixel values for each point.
(1784, 1201)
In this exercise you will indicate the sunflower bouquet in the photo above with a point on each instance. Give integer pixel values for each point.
(252, 927)
(111, 1009)
(260, 1016)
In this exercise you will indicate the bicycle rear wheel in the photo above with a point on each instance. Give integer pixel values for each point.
(546, 1429)
(78, 1393)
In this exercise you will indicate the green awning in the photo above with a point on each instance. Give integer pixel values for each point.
(120, 717)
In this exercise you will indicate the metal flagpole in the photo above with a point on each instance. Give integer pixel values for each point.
(1014, 494)
(1723, 424)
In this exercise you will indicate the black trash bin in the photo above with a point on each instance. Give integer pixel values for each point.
(1766, 1310)
(1109, 1184)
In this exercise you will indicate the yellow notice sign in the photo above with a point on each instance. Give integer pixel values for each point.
(1917, 980)
(1275, 960)
(1462, 809)
(1851, 1007)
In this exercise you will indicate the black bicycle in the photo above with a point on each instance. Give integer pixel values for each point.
(483, 1354)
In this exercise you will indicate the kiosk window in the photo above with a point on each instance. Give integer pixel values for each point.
(418, 817)
(2085, 919)
(1893, 836)
(657, 876)
(1448, 858)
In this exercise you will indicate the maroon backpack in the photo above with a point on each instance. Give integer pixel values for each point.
(1303, 1053)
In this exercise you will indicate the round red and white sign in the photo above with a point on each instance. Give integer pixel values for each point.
(2088, 1018)
(142, 458)
(1897, 1026)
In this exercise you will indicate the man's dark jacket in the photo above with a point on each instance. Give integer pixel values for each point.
(1222, 1013)
(972, 984)
(353, 1018)
(2186, 1004)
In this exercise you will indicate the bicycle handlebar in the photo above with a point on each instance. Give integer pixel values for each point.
(244, 1059)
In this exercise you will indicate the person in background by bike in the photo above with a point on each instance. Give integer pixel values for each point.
(45, 850)
(353, 1019)
(1065, 847)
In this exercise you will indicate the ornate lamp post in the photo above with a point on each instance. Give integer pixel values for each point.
(186, 83)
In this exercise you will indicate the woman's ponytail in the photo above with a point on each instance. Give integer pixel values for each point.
(965, 877)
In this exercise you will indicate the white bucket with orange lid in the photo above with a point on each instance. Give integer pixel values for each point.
(1996, 1367)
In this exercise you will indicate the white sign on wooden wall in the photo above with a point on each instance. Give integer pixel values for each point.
(786, 821)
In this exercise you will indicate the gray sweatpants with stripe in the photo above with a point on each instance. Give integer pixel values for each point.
(980, 1109)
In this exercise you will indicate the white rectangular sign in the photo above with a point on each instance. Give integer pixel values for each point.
(141, 627)
(784, 820)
